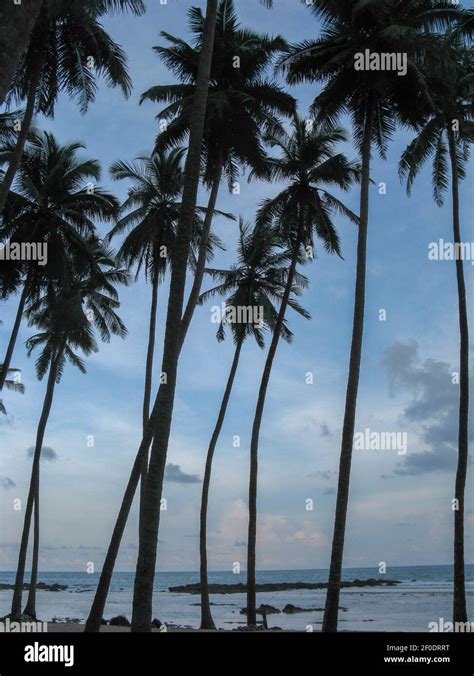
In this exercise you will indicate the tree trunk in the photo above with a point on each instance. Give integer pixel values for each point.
(252, 530)
(14, 335)
(34, 482)
(187, 217)
(201, 264)
(30, 608)
(93, 622)
(145, 572)
(459, 599)
(206, 616)
(16, 24)
(17, 154)
(148, 382)
(335, 570)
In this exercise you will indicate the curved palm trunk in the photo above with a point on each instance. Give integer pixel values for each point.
(201, 264)
(459, 599)
(34, 482)
(30, 608)
(14, 335)
(22, 136)
(252, 530)
(16, 24)
(148, 381)
(335, 571)
(145, 572)
(206, 617)
(178, 280)
(139, 468)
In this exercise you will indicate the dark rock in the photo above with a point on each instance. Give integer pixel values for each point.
(119, 621)
(241, 588)
(263, 608)
(291, 609)
(156, 624)
(104, 622)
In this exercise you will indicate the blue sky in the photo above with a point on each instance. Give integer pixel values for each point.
(400, 506)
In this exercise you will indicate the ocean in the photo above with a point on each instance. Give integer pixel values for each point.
(423, 596)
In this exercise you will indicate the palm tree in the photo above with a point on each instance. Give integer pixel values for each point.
(17, 22)
(450, 84)
(269, 98)
(304, 209)
(66, 318)
(68, 45)
(164, 402)
(373, 98)
(152, 210)
(173, 342)
(53, 204)
(241, 105)
(255, 281)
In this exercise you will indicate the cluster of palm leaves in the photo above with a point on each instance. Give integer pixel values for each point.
(235, 118)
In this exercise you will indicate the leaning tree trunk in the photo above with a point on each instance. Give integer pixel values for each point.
(187, 217)
(252, 529)
(202, 255)
(22, 136)
(206, 616)
(14, 335)
(141, 461)
(335, 570)
(145, 572)
(30, 608)
(459, 599)
(34, 482)
(148, 380)
(16, 24)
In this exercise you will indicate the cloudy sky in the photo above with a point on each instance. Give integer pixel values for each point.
(400, 505)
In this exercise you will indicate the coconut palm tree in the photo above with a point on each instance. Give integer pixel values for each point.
(17, 22)
(309, 165)
(241, 106)
(159, 425)
(373, 98)
(261, 95)
(66, 318)
(68, 46)
(445, 133)
(55, 203)
(152, 211)
(256, 281)
(164, 403)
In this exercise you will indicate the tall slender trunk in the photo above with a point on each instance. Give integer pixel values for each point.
(201, 264)
(252, 529)
(16, 24)
(183, 238)
(148, 381)
(14, 335)
(141, 460)
(34, 482)
(17, 154)
(335, 571)
(30, 608)
(459, 598)
(206, 616)
(145, 572)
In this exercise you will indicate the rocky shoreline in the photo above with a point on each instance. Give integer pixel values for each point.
(241, 588)
(40, 585)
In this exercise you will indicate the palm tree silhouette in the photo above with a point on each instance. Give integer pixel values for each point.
(66, 318)
(309, 164)
(372, 98)
(67, 48)
(257, 280)
(55, 203)
(445, 132)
